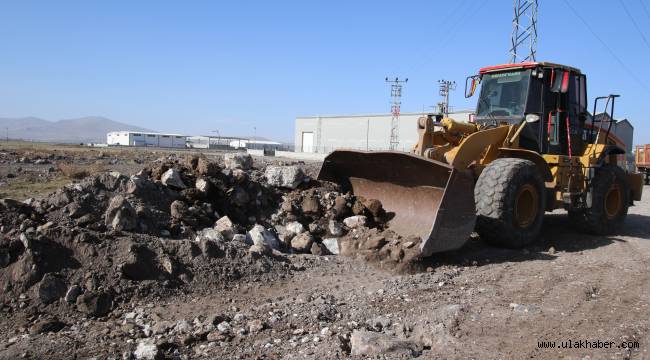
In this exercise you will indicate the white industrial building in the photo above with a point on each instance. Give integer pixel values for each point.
(255, 144)
(323, 134)
(134, 138)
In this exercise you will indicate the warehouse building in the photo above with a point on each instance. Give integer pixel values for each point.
(323, 134)
(211, 142)
(133, 138)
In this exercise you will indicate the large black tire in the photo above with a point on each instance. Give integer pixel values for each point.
(609, 203)
(510, 203)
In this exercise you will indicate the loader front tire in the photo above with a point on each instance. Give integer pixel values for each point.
(510, 203)
(610, 199)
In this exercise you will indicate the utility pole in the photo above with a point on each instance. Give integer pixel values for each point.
(7, 133)
(524, 31)
(445, 87)
(396, 102)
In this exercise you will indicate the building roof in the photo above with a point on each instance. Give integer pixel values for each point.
(144, 132)
(379, 114)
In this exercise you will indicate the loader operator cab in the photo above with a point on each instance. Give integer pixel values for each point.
(551, 98)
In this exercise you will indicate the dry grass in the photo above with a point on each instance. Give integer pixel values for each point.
(76, 172)
(24, 188)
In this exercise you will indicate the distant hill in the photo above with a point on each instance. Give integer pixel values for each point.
(86, 129)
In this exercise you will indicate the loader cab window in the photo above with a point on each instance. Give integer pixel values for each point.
(503, 95)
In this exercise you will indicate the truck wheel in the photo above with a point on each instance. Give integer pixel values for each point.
(510, 203)
(610, 200)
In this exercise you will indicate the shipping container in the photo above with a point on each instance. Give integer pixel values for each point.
(642, 160)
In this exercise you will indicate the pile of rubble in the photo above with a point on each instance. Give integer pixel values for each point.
(187, 224)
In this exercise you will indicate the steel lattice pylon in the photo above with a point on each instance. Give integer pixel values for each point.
(524, 31)
(396, 102)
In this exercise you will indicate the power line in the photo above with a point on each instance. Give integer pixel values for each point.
(645, 9)
(611, 52)
(451, 31)
(636, 26)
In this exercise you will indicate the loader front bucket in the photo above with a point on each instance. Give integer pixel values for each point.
(422, 197)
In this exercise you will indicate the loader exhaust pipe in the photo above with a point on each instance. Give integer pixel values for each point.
(425, 198)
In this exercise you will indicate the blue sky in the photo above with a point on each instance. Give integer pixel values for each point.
(197, 66)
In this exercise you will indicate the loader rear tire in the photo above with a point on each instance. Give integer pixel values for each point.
(609, 203)
(510, 203)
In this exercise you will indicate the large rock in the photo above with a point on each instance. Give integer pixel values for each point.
(178, 209)
(355, 221)
(72, 294)
(47, 325)
(295, 228)
(284, 176)
(335, 228)
(435, 337)
(372, 343)
(110, 180)
(202, 185)
(136, 185)
(258, 235)
(238, 161)
(302, 242)
(226, 227)
(172, 179)
(332, 245)
(120, 215)
(374, 206)
(51, 288)
(310, 205)
(209, 234)
(95, 304)
(209, 240)
(148, 350)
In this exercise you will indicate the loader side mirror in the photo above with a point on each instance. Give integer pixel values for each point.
(471, 83)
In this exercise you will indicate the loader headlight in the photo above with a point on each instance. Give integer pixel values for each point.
(531, 118)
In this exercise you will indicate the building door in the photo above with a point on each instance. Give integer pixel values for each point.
(308, 142)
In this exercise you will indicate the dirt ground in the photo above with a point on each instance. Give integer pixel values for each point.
(479, 302)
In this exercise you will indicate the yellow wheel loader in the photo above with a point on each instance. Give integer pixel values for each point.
(531, 147)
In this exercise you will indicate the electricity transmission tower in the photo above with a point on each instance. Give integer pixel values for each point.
(396, 102)
(523, 42)
(445, 87)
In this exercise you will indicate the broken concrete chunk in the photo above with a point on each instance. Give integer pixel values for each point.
(148, 350)
(302, 242)
(284, 176)
(258, 235)
(226, 227)
(355, 221)
(332, 245)
(202, 185)
(295, 228)
(172, 179)
(120, 215)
